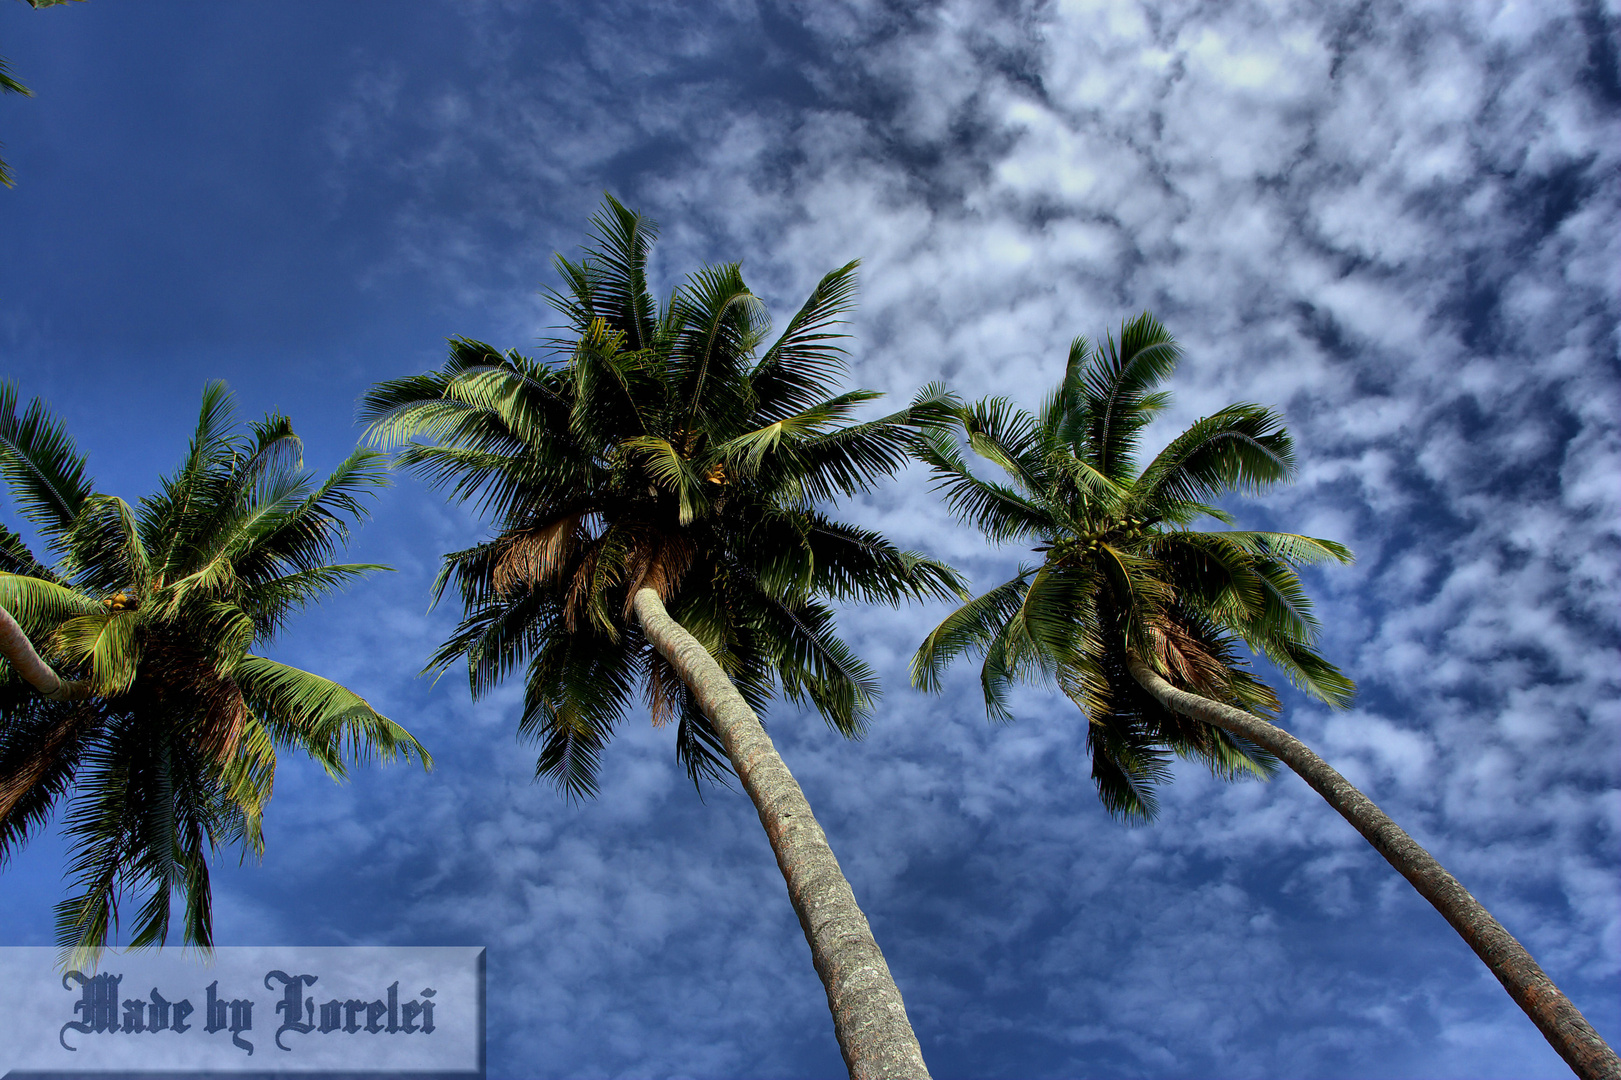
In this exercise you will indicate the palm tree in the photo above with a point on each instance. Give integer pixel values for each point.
(1139, 617)
(167, 730)
(657, 496)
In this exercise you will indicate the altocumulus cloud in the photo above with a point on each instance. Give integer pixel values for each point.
(1398, 223)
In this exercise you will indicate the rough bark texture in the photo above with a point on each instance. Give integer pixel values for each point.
(19, 653)
(1561, 1023)
(869, 1017)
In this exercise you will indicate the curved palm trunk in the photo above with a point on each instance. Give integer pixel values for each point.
(869, 1017)
(19, 653)
(1561, 1023)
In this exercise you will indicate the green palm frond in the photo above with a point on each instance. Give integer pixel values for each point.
(40, 606)
(1034, 642)
(1000, 512)
(970, 628)
(1242, 448)
(105, 547)
(722, 325)
(1291, 548)
(577, 689)
(10, 85)
(849, 563)
(302, 528)
(618, 271)
(665, 446)
(400, 410)
(105, 645)
(845, 461)
(1125, 573)
(328, 721)
(668, 468)
(1116, 399)
(271, 602)
(16, 558)
(815, 666)
(43, 741)
(747, 450)
(275, 447)
(156, 606)
(1005, 435)
(804, 364)
(41, 465)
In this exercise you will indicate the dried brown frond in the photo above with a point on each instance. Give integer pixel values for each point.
(1187, 659)
(659, 564)
(537, 556)
(20, 777)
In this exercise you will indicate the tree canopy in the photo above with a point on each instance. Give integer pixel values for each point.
(1124, 570)
(157, 608)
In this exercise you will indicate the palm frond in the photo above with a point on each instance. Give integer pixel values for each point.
(41, 743)
(802, 366)
(106, 550)
(577, 689)
(1125, 573)
(845, 461)
(1005, 435)
(852, 563)
(1116, 384)
(1000, 512)
(105, 645)
(10, 85)
(722, 323)
(16, 558)
(1243, 448)
(41, 465)
(970, 628)
(669, 469)
(618, 271)
(40, 606)
(745, 451)
(326, 720)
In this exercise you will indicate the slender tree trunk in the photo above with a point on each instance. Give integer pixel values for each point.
(869, 1017)
(1561, 1023)
(19, 653)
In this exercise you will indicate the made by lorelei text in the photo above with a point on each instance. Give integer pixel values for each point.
(99, 1013)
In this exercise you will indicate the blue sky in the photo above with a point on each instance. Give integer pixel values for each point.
(1397, 223)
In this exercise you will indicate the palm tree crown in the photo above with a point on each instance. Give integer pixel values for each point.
(662, 450)
(1139, 617)
(1123, 571)
(169, 742)
(656, 492)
